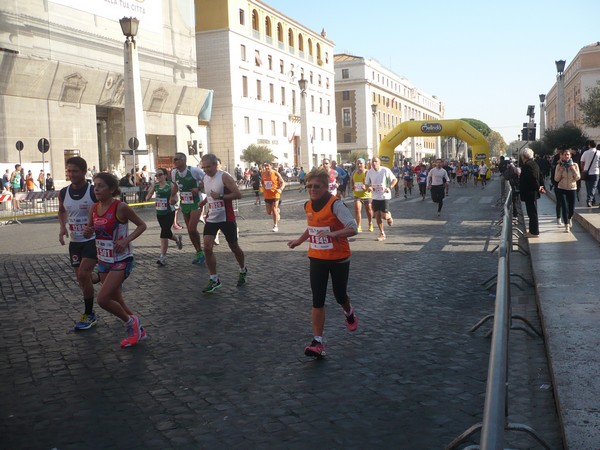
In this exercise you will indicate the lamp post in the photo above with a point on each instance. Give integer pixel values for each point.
(375, 131)
(542, 115)
(305, 156)
(134, 111)
(560, 93)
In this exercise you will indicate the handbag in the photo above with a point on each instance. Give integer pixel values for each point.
(585, 173)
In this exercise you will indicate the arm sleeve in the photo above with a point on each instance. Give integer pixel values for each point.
(343, 214)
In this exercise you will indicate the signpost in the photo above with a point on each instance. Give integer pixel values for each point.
(134, 143)
(43, 146)
(20, 147)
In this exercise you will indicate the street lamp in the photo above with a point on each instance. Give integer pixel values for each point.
(413, 153)
(375, 131)
(305, 155)
(134, 111)
(560, 92)
(542, 115)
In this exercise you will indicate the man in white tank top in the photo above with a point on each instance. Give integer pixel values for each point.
(221, 189)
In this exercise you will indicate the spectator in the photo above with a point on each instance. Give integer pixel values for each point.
(49, 183)
(531, 185)
(42, 180)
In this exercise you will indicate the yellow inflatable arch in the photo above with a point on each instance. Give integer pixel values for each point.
(458, 128)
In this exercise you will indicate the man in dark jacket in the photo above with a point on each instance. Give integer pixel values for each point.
(531, 185)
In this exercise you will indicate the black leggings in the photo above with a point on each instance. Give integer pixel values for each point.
(165, 222)
(319, 276)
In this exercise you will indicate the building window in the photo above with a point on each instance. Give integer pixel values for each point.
(321, 105)
(244, 86)
(345, 95)
(281, 66)
(255, 26)
(330, 135)
(247, 124)
(271, 93)
(283, 96)
(312, 103)
(280, 35)
(346, 117)
(260, 127)
(319, 79)
(258, 90)
(273, 129)
(310, 77)
(270, 59)
(284, 129)
(328, 107)
(293, 101)
(243, 52)
(345, 74)
(257, 59)
(291, 39)
(347, 138)
(322, 134)
(268, 27)
(242, 17)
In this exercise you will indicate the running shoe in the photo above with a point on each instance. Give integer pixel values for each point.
(179, 240)
(390, 221)
(212, 286)
(315, 348)
(95, 278)
(351, 321)
(177, 226)
(199, 258)
(161, 261)
(359, 229)
(142, 333)
(134, 333)
(242, 278)
(381, 237)
(371, 227)
(217, 240)
(275, 229)
(86, 322)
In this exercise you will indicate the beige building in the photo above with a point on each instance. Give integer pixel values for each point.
(62, 79)
(582, 73)
(253, 57)
(363, 85)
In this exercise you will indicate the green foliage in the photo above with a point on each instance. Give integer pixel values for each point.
(591, 107)
(563, 137)
(497, 144)
(257, 154)
(355, 154)
(479, 126)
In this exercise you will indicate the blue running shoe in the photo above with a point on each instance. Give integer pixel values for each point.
(86, 322)
(199, 258)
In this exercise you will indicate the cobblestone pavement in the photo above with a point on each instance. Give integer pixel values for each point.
(227, 370)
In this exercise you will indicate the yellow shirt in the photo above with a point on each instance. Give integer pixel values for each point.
(359, 185)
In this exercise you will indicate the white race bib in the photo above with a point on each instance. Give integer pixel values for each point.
(319, 242)
(105, 250)
(359, 187)
(268, 185)
(161, 204)
(187, 198)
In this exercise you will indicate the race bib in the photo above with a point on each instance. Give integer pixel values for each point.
(76, 227)
(187, 198)
(268, 185)
(319, 243)
(215, 207)
(162, 204)
(359, 187)
(105, 250)
(378, 188)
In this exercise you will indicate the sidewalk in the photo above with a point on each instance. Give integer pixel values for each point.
(566, 270)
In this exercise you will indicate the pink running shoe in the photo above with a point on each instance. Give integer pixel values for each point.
(316, 349)
(134, 334)
(352, 321)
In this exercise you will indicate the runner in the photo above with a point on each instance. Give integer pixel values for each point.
(407, 176)
(108, 220)
(74, 203)
(422, 180)
(330, 224)
(361, 196)
(437, 181)
(380, 181)
(221, 189)
(189, 180)
(273, 186)
(334, 181)
(166, 198)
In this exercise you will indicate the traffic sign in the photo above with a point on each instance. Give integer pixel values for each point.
(43, 145)
(20, 145)
(134, 143)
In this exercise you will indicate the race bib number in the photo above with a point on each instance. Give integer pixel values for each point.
(105, 250)
(359, 187)
(332, 187)
(161, 204)
(319, 242)
(378, 188)
(187, 198)
(76, 227)
(268, 185)
(215, 207)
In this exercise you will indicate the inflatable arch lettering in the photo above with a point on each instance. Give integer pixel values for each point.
(458, 128)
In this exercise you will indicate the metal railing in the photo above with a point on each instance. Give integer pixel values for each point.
(495, 411)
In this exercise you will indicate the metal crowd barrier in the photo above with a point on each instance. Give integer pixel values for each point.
(495, 411)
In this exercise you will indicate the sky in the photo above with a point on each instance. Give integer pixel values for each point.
(486, 60)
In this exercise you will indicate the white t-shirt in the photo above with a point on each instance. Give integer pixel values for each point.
(586, 161)
(437, 176)
(380, 180)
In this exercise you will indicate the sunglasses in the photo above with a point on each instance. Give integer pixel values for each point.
(159, 174)
(205, 167)
(314, 186)
(176, 159)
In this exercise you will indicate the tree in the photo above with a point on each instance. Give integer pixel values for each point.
(257, 154)
(479, 126)
(355, 154)
(566, 136)
(497, 144)
(591, 107)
